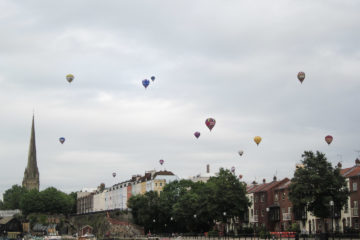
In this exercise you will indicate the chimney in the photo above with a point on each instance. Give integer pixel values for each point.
(264, 180)
(208, 168)
(357, 162)
(274, 178)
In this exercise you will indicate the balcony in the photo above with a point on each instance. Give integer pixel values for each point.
(286, 217)
(354, 212)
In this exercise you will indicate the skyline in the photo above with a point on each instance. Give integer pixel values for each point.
(236, 62)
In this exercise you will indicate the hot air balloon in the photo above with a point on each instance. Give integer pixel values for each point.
(328, 139)
(210, 123)
(114, 174)
(241, 152)
(161, 162)
(233, 169)
(197, 134)
(257, 140)
(62, 140)
(301, 76)
(152, 78)
(70, 78)
(240, 176)
(145, 83)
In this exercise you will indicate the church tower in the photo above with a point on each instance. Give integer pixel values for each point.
(31, 174)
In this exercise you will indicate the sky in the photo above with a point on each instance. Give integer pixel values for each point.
(235, 61)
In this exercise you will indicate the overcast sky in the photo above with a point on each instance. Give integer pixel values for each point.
(235, 61)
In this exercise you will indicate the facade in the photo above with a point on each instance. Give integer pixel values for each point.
(116, 196)
(203, 177)
(31, 174)
(272, 209)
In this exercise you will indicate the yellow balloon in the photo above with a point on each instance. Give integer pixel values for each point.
(257, 140)
(70, 78)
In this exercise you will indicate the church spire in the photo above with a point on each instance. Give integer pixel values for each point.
(31, 174)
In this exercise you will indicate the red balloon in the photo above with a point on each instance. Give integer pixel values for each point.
(328, 139)
(210, 123)
(161, 161)
(301, 76)
(240, 176)
(197, 134)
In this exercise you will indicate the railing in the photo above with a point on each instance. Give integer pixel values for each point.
(354, 212)
(286, 216)
(229, 236)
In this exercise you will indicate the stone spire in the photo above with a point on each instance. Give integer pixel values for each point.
(31, 174)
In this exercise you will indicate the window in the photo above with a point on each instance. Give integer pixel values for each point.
(276, 197)
(356, 223)
(346, 210)
(262, 212)
(155, 184)
(252, 199)
(160, 184)
(354, 186)
(283, 196)
(252, 212)
(256, 212)
(262, 197)
(289, 210)
(283, 210)
(256, 199)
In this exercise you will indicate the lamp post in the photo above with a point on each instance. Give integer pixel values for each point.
(225, 220)
(154, 221)
(332, 218)
(268, 218)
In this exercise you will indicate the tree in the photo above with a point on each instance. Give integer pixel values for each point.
(316, 184)
(13, 196)
(1, 205)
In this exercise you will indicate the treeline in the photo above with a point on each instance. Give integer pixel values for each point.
(50, 201)
(185, 206)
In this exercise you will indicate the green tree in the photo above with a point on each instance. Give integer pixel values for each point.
(13, 196)
(1, 205)
(227, 195)
(31, 202)
(50, 201)
(145, 209)
(316, 184)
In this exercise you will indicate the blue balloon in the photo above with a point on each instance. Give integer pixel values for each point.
(153, 78)
(62, 140)
(145, 83)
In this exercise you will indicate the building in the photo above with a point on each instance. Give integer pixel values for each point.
(117, 196)
(271, 207)
(31, 174)
(203, 177)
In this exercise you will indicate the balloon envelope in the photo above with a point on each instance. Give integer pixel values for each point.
(161, 161)
(70, 78)
(301, 76)
(210, 123)
(232, 169)
(257, 140)
(152, 78)
(240, 176)
(145, 83)
(62, 140)
(197, 134)
(114, 174)
(328, 139)
(241, 152)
